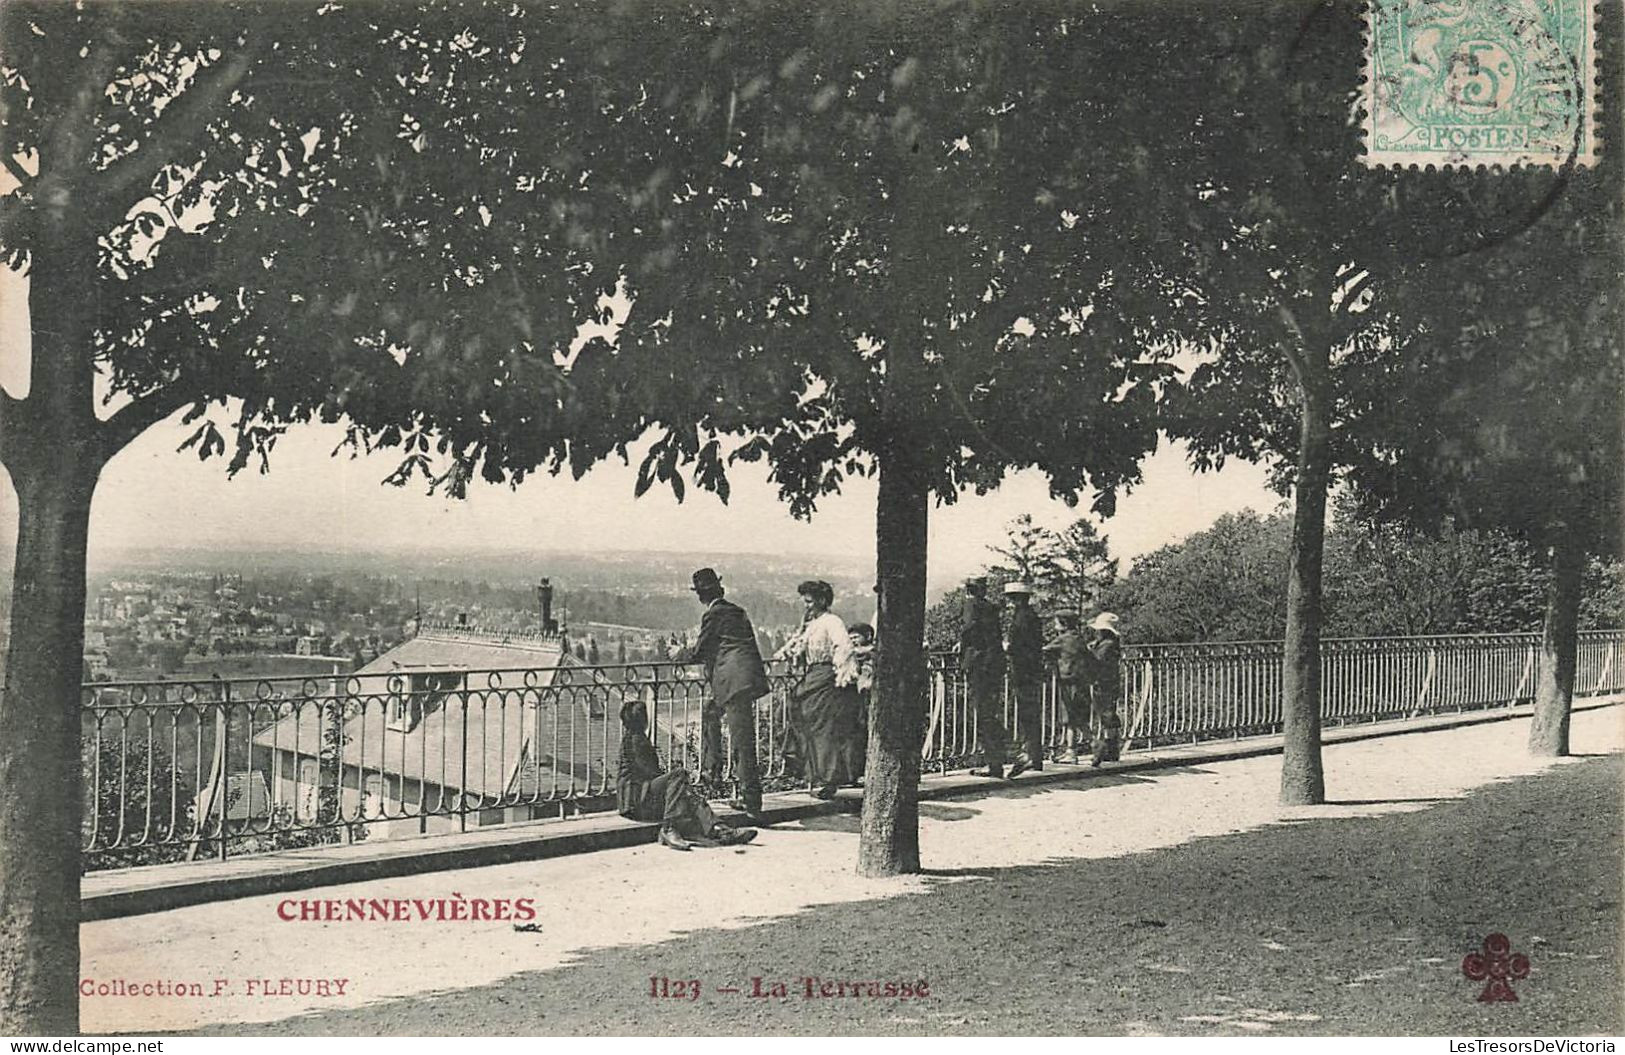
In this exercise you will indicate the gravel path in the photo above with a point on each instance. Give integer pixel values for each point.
(1179, 902)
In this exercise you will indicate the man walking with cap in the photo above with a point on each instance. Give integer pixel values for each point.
(1026, 652)
(733, 664)
(1106, 687)
(981, 658)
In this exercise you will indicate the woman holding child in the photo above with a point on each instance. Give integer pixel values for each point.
(829, 711)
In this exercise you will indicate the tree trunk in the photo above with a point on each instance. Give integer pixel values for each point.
(1559, 639)
(890, 844)
(40, 785)
(51, 445)
(1302, 781)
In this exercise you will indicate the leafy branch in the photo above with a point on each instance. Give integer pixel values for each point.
(182, 121)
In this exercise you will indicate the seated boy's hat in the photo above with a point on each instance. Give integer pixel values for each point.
(706, 579)
(1066, 615)
(1105, 621)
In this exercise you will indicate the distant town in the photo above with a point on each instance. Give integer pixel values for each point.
(237, 624)
(175, 616)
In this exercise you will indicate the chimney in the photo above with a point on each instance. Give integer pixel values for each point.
(544, 595)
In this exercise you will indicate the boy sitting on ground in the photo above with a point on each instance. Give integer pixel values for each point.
(644, 793)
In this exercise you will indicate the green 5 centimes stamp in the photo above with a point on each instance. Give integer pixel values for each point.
(1480, 82)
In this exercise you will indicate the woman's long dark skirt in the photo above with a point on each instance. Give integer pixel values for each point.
(830, 737)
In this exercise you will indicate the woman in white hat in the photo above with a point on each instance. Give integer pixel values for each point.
(1106, 687)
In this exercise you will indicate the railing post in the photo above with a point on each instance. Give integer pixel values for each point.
(1602, 675)
(339, 709)
(216, 793)
(935, 682)
(1146, 680)
(462, 780)
(222, 730)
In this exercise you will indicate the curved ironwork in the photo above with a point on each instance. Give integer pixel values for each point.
(177, 769)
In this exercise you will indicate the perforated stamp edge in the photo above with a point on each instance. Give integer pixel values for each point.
(1417, 159)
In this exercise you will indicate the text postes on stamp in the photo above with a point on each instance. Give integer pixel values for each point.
(1479, 82)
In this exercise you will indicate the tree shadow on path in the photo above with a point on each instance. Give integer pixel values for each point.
(1221, 935)
(1084, 781)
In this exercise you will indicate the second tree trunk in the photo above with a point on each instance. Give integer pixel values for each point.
(1554, 681)
(1302, 780)
(890, 843)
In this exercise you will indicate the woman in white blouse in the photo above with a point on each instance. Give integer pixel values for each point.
(826, 698)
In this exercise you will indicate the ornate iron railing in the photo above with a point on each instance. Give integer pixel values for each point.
(177, 769)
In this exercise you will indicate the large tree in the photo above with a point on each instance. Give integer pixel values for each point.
(1392, 578)
(909, 241)
(1301, 258)
(1509, 415)
(1506, 404)
(261, 216)
(1225, 583)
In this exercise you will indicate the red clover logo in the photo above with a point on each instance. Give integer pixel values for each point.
(1497, 966)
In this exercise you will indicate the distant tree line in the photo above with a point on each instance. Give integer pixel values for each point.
(1228, 583)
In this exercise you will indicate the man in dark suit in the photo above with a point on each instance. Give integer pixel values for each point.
(1026, 653)
(981, 658)
(733, 664)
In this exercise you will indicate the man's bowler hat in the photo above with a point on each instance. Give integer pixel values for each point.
(706, 579)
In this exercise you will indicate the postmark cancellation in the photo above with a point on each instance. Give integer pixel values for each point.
(1466, 83)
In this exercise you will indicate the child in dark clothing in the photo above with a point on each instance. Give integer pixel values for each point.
(644, 793)
(1070, 652)
(862, 636)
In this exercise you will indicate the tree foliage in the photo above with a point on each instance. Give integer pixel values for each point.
(1225, 583)
(1022, 554)
(1070, 568)
(1228, 582)
(798, 219)
(1505, 395)
(1077, 565)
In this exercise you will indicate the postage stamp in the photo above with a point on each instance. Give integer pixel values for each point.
(1480, 82)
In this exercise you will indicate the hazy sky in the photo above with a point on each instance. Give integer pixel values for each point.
(151, 496)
